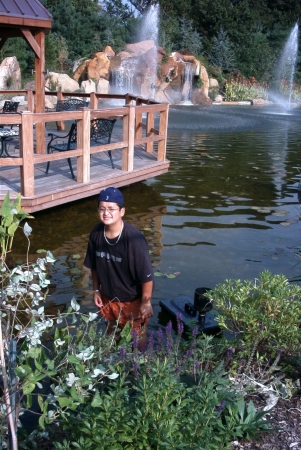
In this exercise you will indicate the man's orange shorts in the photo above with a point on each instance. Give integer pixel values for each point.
(122, 312)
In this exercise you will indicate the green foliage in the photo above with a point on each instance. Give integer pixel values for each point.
(265, 312)
(213, 93)
(222, 53)
(107, 397)
(189, 38)
(11, 215)
(248, 422)
(240, 88)
(148, 404)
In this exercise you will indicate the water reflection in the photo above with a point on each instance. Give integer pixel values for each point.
(227, 208)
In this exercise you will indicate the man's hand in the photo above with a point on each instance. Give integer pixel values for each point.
(146, 310)
(97, 299)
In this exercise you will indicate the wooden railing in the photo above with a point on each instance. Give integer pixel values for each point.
(138, 127)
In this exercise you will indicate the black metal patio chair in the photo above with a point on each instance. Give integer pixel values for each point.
(101, 129)
(9, 107)
(71, 104)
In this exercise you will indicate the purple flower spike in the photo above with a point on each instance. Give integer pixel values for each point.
(180, 328)
(221, 406)
(168, 328)
(135, 338)
(151, 341)
(196, 364)
(178, 369)
(122, 353)
(135, 367)
(179, 317)
(261, 326)
(160, 335)
(195, 331)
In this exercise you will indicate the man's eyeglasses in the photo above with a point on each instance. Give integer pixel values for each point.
(109, 210)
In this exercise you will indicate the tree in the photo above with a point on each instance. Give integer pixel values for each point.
(222, 54)
(142, 5)
(189, 38)
(62, 49)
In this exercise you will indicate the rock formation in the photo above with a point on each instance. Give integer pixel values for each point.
(145, 69)
(10, 74)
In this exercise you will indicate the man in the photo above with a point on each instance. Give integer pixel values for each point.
(121, 268)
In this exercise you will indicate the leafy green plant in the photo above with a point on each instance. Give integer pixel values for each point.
(239, 88)
(74, 369)
(265, 312)
(213, 93)
(247, 421)
(170, 396)
(9, 81)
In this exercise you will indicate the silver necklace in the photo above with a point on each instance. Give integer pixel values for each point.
(118, 237)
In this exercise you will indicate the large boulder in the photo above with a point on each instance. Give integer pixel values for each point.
(183, 79)
(61, 82)
(96, 67)
(145, 69)
(10, 74)
(88, 86)
(103, 86)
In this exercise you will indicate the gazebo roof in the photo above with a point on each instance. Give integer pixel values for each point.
(23, 13)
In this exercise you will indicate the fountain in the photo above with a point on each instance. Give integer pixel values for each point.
(126, 78)
(286, 71)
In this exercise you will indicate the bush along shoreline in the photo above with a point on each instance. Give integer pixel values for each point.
(184, 390)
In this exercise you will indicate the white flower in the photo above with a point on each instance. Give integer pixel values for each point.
(71, 379)
(92, 316)
(86, 354)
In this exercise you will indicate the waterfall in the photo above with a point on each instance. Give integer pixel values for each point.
(123, 77)
(189, 72)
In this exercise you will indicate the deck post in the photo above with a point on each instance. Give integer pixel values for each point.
(30, 101)
(129, 137)
(150, 123)
(83, 141)
(93, 101)
(163, 131)
(60, 124)
(39, 64)
(138, 120)
(26, 152)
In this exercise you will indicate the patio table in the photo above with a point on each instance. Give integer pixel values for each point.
(4, 135)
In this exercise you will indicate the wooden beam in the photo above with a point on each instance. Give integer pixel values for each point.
(163, 130)
(39, 64)
(128, 136)
(83, 141)
(31, 41)
(26, 152)
(26, 22)
(150, 122)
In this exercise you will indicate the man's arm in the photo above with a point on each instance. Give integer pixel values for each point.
(96, 293)
(146, 309)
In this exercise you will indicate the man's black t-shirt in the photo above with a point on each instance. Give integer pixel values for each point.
(122, 268)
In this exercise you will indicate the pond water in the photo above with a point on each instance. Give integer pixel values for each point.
(227, 208)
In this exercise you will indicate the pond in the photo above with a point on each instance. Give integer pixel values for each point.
(227, 208)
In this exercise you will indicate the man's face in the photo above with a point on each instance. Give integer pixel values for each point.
(110, 213)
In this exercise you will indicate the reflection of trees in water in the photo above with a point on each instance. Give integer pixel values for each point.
(151, 223)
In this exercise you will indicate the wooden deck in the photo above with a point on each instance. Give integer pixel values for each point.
(138, 150)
